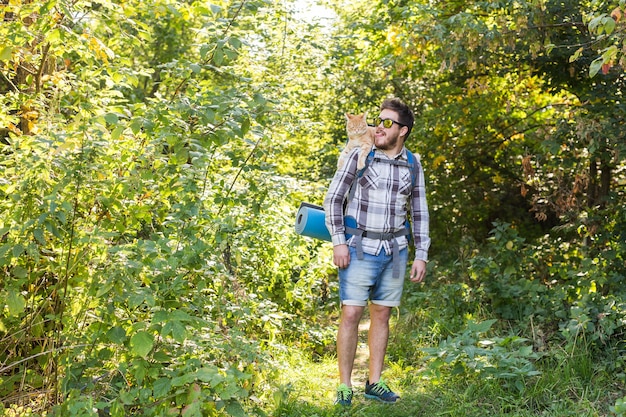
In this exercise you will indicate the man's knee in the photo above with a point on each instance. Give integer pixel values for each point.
(379, 312)
(351, 314)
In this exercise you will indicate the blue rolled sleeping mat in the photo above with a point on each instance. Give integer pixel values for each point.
(310, 221)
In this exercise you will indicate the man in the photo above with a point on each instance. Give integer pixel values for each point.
(379, 243)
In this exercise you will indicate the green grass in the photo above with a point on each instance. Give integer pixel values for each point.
(577, 378)
(566, 387)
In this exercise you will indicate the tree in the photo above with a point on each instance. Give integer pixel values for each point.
(514, 134)
(135, 206)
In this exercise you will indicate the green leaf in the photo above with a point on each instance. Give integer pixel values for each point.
(193, 393)
(54, 35)
(19, 272)
(105, 288)
(218, 56)
(139, 371)
(15, 302)
(4, 249)
(136, 125)
(210, 375)
(161, 387)
(245, 126)
(179, 315)
(235, 409)
(526, 351)
(179, 332)
(136, 299)
(161, 356)
(116, 335)
(609, 25)
(39, 236)
(111, 118)
(595, 24)
(595, 66)
(18, 250)
(192, 410)
(576, 54)
(117, 132)
(183, 379)
(160, 316)
(176, 329)
(142, 343)
(481, 327)
(234, 42)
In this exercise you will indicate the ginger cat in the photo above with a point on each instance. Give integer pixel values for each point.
(360, 135)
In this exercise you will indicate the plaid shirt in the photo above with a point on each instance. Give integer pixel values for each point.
(379, 204)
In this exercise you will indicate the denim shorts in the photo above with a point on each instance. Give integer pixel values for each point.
(371, 278)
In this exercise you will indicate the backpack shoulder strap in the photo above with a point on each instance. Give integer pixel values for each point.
(368, 162)
(359, 174)
(413, 166)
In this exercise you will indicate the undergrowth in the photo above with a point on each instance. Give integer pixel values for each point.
(540, 350)
(562, 384)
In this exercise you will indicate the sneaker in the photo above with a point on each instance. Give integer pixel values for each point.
(344, 395)
(381, 392)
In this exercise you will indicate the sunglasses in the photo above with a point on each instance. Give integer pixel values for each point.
(387, 123)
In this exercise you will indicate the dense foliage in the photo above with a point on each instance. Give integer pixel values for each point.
(154, 153)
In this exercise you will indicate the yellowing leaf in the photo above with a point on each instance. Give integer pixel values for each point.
(438, 161)
(6, 52)
(576, 55)
(616, 14)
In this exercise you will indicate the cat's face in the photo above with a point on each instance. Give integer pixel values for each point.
(356, 123)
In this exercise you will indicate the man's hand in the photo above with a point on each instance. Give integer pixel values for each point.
(418, 271)
(341, 256)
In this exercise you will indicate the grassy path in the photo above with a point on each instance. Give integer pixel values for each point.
(306, 388)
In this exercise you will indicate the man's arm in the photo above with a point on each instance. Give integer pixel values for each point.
(333, 209)
(418, 270)
(421, 221)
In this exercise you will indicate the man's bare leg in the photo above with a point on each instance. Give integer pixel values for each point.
(378, 337)
(347, 339)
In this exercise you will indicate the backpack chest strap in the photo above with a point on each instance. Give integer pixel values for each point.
(393, 162)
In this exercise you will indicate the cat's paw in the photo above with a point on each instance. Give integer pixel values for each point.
(360, 165)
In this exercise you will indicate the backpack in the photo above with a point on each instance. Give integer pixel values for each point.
(310, 219)
(350, 222)
(412, 164)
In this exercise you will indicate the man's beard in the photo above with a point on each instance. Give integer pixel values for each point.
(389, 143)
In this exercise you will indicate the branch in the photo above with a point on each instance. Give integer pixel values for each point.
(42, 64)
(36, 355)
(232, 184)
(13, 86)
